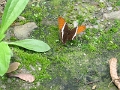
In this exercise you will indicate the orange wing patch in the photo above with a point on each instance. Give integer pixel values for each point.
(81, 29)
(61, 22)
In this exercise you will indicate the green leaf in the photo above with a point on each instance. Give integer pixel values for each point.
(32, 44)
(12, 10)
(2, 36)
(5, 55)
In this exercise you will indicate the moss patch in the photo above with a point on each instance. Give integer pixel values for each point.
(80, 63)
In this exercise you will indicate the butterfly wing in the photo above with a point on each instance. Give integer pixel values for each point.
(75, 31)
(81, 29)
(61, 22)
(63, 29)
(67, 34)
(72, 33)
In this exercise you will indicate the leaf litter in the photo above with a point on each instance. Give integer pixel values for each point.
(13, 66)
(24, 76)
(113, 72)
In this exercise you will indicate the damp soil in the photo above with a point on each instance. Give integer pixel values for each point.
(79, 64)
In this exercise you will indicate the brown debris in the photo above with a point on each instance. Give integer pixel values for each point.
(13, 66)
(24, 76)
(94, 87)
(113, 72)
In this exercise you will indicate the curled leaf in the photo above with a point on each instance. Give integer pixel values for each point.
(13, 66)
(113, 72)
(26, 77)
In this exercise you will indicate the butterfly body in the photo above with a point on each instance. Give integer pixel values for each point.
(67, 34)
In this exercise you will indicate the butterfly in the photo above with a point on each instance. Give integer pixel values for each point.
(67, 34)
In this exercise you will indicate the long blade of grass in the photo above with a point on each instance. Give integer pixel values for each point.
(12, 10)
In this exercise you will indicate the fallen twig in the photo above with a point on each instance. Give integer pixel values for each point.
(92, 82)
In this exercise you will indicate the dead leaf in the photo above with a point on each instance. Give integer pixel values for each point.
(13, 66)
(113, 72)
(26, 77)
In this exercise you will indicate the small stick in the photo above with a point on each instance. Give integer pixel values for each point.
(92, 82)
(113, 72)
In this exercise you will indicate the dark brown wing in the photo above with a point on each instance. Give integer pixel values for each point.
(64, 33)
(72, 33)
(63, 27)
(75, 31)
(67, 34)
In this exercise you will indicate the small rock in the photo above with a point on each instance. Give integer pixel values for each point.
(102, 20)
(3, 87)
(109, 8)
(98, 21)
(95, 26)
(38, 84)
(109, 23)
(2, 5)
(94, 87)
(23, 31)
(112, 15)
(9, 80)
(75, 23)
(39, 68)
(21, 18)
(101, 1)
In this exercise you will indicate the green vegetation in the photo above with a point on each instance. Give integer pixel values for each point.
(11, 12)
(79, 62)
